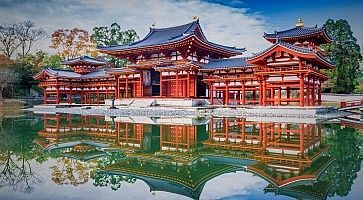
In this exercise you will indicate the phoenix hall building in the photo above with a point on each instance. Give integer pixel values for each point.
(179, 63)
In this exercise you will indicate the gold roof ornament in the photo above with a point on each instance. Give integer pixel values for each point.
(299, 23)
(195, 18)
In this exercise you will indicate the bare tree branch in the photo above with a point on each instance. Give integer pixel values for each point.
(28, 36)
(9, 42)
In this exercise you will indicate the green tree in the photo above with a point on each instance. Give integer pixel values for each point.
(52, 61)
(113, 35)
(345, 53)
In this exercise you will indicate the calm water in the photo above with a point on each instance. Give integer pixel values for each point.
(82, 157)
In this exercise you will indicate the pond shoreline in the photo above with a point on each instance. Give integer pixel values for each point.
(321, 113)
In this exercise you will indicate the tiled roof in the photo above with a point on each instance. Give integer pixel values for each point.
(85, 60)
(62, 73)
(226, 63)
(297, 32)
(71, 74)
(160, 36)
(284, 44)
(292, 47)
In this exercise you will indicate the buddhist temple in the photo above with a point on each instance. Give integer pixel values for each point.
(181, 63)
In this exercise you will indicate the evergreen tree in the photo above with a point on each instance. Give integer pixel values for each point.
(113, 35)
(345, 53)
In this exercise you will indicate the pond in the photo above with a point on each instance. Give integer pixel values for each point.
(63, 156)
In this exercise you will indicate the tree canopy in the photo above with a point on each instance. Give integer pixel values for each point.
(71, 43)
(114, 35)
(345, 53)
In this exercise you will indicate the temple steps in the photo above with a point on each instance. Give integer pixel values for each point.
(141, 103)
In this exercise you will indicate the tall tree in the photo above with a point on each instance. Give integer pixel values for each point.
(71, 43)
(114, 35)
(28, 35)
(345, 53)
(8, 38)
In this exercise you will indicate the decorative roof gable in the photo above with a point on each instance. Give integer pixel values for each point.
(164, 36)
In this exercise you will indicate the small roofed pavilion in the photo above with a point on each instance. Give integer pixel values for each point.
(85, 83)
(292, 65)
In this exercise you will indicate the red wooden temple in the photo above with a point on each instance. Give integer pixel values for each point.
(179, 62)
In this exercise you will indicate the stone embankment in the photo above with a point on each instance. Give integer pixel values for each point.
(295, 112)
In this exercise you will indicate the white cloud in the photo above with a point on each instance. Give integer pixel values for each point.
(241, 184)
(221, 24)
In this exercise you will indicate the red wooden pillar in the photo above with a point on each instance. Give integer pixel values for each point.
(211, 93)
(161, 84)
(243, 94)
(260, 95)
(279, 96)
(227, 93)
(272, 96)
(117, 89)
(176, 84)
(313, 91)
(141, 84)
(308, 92)
(264, 92)
(188, 85)
(127, 86)
(302, 90)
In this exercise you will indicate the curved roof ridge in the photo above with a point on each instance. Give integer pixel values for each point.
(153, 30)
(297, 32)
(190, 24)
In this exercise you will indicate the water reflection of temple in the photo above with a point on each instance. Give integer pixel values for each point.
(181, 155)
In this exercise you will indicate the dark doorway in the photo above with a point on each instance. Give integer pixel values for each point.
(155, 83)
(201, 87)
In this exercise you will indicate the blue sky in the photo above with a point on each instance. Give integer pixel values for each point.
(235, 23)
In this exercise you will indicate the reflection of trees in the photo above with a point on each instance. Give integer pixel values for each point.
(346, 147)
(110, 158)
(76, 172)
(114, 180)
(71, 171)
(16, 152)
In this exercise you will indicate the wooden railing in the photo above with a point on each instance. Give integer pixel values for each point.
(345, 104)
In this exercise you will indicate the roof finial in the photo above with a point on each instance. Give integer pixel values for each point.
(195, 18)
(153, 25)
(299, 23)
